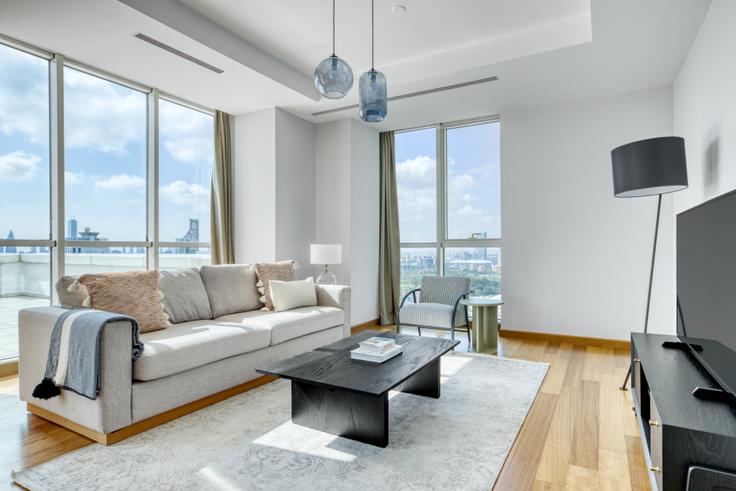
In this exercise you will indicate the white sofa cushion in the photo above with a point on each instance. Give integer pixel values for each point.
(189, 345)
(287, 295)
(289, 324)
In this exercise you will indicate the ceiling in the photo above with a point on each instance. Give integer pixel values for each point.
(543, 52)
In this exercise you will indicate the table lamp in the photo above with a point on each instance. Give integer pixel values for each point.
(326, 254)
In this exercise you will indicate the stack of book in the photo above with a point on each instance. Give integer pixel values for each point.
(376, 350)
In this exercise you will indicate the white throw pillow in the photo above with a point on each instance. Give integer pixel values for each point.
(287, 295)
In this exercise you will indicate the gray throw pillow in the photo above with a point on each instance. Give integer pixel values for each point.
(184, 296)
(231, 288)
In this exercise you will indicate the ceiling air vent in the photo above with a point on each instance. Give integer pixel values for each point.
(414, 94)
(178, 53)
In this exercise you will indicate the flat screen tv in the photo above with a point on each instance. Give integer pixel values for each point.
(706, 286)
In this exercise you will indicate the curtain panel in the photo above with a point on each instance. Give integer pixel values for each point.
(389, 252)
(221, 213)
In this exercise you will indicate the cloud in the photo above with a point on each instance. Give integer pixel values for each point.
(18, 166)
(72, 178)
(417, 172)
(190, 149)
(121, 182)
(24, 96)
(183, 193)
(101, 115)
(187, 134)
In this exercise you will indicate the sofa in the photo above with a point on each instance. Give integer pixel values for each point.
(204, 359)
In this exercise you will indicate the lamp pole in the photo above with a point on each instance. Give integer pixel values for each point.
(651, 276)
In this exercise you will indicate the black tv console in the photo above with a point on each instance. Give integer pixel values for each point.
(689, 442)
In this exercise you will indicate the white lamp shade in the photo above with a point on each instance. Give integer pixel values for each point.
(325, 253)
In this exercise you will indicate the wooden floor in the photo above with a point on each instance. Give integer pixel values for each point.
(580, 433)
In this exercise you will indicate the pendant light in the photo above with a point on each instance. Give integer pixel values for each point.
(333, 76)
(372, 86)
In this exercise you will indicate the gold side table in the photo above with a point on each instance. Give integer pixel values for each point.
(484, 334)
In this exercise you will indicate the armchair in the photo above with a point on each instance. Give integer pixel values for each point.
(438, 306)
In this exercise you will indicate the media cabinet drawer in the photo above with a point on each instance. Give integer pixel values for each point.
(655, 442)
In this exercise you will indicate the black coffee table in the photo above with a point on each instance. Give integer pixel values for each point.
(331, 392)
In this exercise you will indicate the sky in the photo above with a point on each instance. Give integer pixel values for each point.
(105, 156)
(473, 182)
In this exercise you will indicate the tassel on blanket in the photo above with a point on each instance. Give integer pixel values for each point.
(46, 389)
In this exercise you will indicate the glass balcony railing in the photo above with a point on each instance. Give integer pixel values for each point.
(25, 281)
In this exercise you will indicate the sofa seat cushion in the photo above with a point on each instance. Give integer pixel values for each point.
(289, 324)
(192, 344)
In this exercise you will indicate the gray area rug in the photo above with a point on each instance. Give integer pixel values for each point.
(459, 441)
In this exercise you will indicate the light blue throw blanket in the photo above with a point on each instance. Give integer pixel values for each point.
(74, 352)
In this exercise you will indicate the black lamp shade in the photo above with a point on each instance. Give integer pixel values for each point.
(649, 167)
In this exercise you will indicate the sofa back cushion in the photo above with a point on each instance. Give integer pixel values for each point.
(134, 293)
(185, 298)
(230, 288)
(280, 271)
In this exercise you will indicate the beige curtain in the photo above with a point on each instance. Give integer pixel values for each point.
(389, 253)
(221, 213)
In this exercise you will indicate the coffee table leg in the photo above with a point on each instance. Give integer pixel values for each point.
(425, 382)
(342, 413)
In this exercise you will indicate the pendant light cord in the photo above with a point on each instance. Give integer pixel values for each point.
(373, 33)
(333, 27)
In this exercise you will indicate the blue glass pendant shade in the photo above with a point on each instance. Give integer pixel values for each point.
(333, 77)
(373, 97)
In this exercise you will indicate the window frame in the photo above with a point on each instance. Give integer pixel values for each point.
(57, 242)
(442, 241)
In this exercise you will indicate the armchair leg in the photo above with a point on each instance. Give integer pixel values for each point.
(419, 330)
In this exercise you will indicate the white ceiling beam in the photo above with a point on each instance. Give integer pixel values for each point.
(182, 19)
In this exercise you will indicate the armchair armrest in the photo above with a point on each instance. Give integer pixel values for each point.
(414, 295)
(336, 296)
(112, 408)
(457, 304)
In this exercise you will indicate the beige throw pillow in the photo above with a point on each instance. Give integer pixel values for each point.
(280, 270)
(134, 293)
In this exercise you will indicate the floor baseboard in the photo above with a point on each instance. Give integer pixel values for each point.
(565, 338)
(372, 324)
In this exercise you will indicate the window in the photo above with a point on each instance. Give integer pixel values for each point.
(111, 152)
(448, 181)
(186, 154)
(25, 272)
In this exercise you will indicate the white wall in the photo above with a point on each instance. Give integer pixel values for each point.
(705, 108)
(295, 139)
(253, 138)
(575, 258)
(364, 217)
(273, 187)
(346, 208)
(332, 191)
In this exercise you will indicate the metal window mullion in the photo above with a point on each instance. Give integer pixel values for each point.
(183, 244)
(27, 243)
(441, 199)
(152, 220)
(56, 137)
(105, 244)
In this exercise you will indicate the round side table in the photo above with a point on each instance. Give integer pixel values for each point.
(485, 323)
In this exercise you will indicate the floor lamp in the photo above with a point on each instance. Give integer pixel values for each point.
(647, 168)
